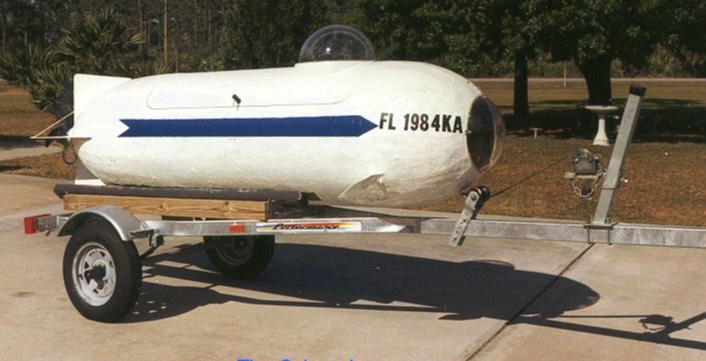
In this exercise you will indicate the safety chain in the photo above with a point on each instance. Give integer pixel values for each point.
(69, 154)
(586, 192)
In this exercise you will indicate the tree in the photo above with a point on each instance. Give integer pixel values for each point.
(21, 66)
(593, 33)
(397, 30)
(519, 31)
(687, 34)
(345, 12)
(95, 44)
(269, 33)
(456, 35)
(461, 36)
(20, 24)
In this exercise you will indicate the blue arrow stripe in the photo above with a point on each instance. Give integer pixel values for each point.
(326, 126)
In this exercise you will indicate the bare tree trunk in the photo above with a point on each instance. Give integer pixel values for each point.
(196, 27)
(148, 34)
(597, 75)
(166, 58)
(4, 27)
(521, 95)
(210, 21)
(140, 11)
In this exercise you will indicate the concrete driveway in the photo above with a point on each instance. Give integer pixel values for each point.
(369, 297)
(13, 150)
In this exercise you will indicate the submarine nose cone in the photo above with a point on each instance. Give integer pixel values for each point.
(485, 134)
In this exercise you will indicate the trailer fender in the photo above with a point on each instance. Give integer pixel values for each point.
(127, 225)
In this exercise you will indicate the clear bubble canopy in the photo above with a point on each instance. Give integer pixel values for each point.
(337, 42)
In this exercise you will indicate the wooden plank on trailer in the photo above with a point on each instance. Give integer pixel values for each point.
(175, 207)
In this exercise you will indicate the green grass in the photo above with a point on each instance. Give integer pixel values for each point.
(666, 164)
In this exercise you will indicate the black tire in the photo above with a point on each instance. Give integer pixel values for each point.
(102, 273)
(242, 257)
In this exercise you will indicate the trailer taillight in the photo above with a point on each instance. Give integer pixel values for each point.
(31, 223)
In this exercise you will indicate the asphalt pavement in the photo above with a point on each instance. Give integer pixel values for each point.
(362, 297)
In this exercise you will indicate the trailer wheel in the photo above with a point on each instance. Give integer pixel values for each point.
(241, 257)
(102, 273)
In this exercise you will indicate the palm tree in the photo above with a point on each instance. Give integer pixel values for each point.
(96, 43)
(20, 67)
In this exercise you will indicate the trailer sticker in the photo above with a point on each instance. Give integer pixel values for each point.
(284, 227)
(323, 126)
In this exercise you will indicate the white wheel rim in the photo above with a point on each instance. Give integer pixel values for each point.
(94, 274)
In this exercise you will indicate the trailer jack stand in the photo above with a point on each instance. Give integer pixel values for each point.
(474, 202)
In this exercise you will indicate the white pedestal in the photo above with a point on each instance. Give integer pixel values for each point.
(601, 138)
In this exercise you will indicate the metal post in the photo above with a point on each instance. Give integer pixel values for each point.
(613, 175)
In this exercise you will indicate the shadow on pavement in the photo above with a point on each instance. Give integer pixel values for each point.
(331, 277)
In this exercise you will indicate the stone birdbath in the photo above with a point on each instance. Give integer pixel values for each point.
(601, 138)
